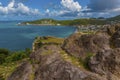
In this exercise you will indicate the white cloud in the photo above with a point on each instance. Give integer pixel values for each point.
(71, 5)
(0, 4)
(17, 9)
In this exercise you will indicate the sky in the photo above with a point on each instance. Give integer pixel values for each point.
(57, 9)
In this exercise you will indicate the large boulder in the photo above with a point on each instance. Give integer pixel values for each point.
(79, 45)
(23, 72)
(115, 39)
(106, 62)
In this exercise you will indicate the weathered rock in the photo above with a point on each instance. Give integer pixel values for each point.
(53, 67)
(23, 72)
(106, 63)
(115, 39)
(80, 45)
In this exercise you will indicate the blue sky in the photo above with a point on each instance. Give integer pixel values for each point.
(58, 9)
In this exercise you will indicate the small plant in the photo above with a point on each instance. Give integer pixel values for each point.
(1, 77)
(84, 62)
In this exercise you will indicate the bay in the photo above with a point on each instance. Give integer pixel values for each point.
(15, 37)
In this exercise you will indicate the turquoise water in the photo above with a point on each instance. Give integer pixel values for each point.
(16, 37)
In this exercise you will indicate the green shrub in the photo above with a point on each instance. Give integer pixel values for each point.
(8, 56)
(86, 60)
(1, 77)
(16, 56)
(3, 54)
(28, 51)
(2, 58)
(4, 51)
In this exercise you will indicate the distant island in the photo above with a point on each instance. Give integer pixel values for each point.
(75, 22)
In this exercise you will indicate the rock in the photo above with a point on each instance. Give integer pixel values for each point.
(79, 45)
(115, 40)
(106, 63)
(53, 67)
(23, 72)
(48, 64)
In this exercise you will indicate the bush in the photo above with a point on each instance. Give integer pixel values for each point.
(2, 58)
(8, 56)
(28, 51)
(3, 54)
(86, 60)
(16, 56)
(1, 77)
(4, 51)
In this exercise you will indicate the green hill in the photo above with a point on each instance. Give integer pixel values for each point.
(82, 21)
(116, 18)
(74, 22)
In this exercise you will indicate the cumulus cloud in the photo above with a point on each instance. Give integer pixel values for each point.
(95, 8)
(71, 5)
(103, 5)
(69, 8)
(47, 11)
(14, 8)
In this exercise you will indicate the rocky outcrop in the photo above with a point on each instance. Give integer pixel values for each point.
(23, 72)
(106, 62)
(55, 68)
(80, 45)
(115, 39)
(48, 64)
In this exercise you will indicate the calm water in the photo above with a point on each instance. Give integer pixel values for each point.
(15, 37)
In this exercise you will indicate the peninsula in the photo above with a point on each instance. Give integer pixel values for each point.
(74, 22)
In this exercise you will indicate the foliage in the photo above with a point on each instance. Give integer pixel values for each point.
(6, 69)
(75, 22)
(1, 77)
(6, 56)
(2, 58)
(116, 18)
(86, 60)
(16, 56)
(4, 51)
(3, 54)
(9, 61)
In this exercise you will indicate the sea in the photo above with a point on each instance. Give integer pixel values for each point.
(19, 37)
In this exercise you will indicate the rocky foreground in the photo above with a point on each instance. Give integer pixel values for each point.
(94, 56)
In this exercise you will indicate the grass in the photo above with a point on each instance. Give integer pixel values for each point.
(41, 41)
(51, 40)
(6, 69)
(47, 52)
(70, 59)
(77, 61)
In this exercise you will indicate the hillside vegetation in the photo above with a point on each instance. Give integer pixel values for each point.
(10, 60)
(82, 21)
(67, 22)
(116, 18)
